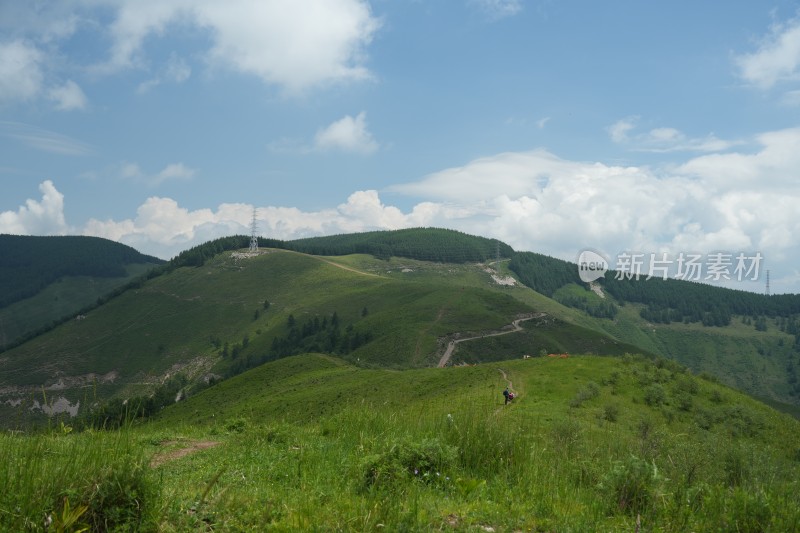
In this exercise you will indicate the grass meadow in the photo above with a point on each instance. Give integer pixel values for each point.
(310, 443)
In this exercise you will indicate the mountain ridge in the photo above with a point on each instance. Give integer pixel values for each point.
(211, 313)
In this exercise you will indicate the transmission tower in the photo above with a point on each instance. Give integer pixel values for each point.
(253, 236)
(767, 291)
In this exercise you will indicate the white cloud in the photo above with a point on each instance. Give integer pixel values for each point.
(536, 201)
(347, 134)
(176, 71)
(296, 45)
(777, 58)
(737, 202)
(661, 140)
(497, 9)
(22, 78)
(68, 96)
(773, 166)
(619, 130)
(172, 172)
(21, 75)
(542, 122)
(45, 217)
(163, 228)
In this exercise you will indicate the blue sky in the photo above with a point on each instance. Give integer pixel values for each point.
(648, 127)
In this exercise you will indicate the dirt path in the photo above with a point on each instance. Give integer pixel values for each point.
(343, 267)
(452, 344)
(190, 447)
(505, 377)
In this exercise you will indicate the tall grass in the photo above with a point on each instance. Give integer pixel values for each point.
(100, 479)
(414, 453)
(441, 459)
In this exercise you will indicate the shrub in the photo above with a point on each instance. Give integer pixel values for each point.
(566, 434)
(589, 391)
(236, 425)
(742, 420)
(684, 401)
(611, 412)
(612, 379)
(688, 384)
(654, 395)
(428, 461)
(630, 485)
(704, 419)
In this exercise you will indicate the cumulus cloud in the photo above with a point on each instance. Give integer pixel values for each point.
(534, 200)
(295, 45)
(37, 217)
(68, 96)
(162, 227)
(21, 76)
(776, 59)
(172, 172)
(773, 166)
(347, 134)
(661, 140)
(537, 201)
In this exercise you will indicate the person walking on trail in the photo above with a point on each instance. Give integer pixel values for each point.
(507, 395)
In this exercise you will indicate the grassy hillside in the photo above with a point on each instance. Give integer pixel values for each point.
(692, 323)
(212, 314)
(45, 279)
(28, 264)
(62, 298)
(761, 363)
(197, 324)
(230, 314)
(313, 443)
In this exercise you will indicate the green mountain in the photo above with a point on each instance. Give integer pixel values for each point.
(354, 392)
(214, 312)
(750, 341)
(45, 279)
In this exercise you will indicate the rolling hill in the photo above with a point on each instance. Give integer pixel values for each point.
(291, 391)
(45, 279)
(312, 442)
(214, 312)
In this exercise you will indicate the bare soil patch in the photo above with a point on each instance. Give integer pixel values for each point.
(187, 448)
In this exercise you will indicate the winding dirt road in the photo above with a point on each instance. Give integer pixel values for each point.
(452, 344)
